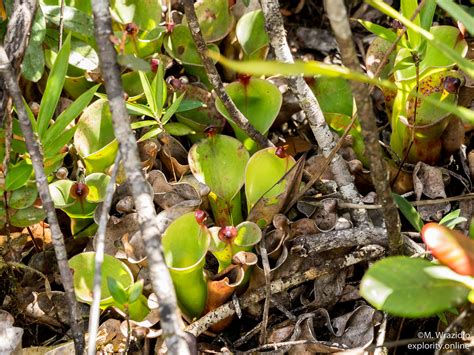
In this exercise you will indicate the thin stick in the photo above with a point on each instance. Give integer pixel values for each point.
(99, 258)
(61, 25)
(149, 225)
(336, 11)
(277, 286)
(268, 294)
(215, 80)
(310, 106)
(42, 183)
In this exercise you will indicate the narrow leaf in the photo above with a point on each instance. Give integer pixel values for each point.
(148, 92)
(409, 212)
(117, 291)
(458, 13)
(170, 111)
(54, 87)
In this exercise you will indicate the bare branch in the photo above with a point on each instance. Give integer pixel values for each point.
(160, 277)
(310, 106)
(215, 80)
(337, 15)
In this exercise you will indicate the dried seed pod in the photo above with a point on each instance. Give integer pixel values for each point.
(131, 29)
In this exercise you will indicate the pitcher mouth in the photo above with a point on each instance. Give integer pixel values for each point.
(405, 122)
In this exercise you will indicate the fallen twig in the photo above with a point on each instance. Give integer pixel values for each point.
(42, 183)
(215, 80)
(337, 14)
(310, 106)
(149, 226)
(226, 310)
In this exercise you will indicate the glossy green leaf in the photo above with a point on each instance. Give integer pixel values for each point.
(54, 87)
(151, 133)
(427, 13)
(146, 14)
(410, 213)
(178, 129)
(27, 216)
(135, 291)
(74, 19)
(97, 183)
(382, 32)
(83, 265)
(117, 291)
(250, 32)
(408, 8)
(132, 62)
(187, 105)
(55, 147)
(83, 227)
(60, 193)
(458, 13)
(94, 138)
(334, 95)
(267, 184)
(258, 100)
(452, 219)
(219, 162)
(149, 94)
(23, 197)
(171, 110)
(32, 67)
(215, 19)
(185, 244)
(400, 286)
(18, 175)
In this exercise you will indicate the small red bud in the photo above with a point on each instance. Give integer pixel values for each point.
(79, 191)
(452, 84)
(244, 79)
(210, 131)
(154, 64)
(227, 234)
(200, 216)
(170, 26)
(280, 151)
(131, 29)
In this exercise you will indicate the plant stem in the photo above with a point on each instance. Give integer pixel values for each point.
(99, 258)
(337, 15)
(149, 226)
(33, 147)
(215, 80)
(310, 106)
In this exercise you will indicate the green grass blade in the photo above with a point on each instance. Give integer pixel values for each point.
(148, 92)
(68, 115)
(408, 8)
(54, 87)
(378, 30)
(170, 111)
(139, 109)
(458, 13)
(427, 13)
(410, 213)
(462, 63)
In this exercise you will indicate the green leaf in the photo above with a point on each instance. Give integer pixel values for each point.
(219, 162)
(18, 175)
(60, 191)
(150, 134)
(146, 14)
(408, 8)
(250, 32)
(54, 87)
(83, 265)
(97, 183)
(411, 288)
(117, 291)
(132, 62)
(378, 30)
(23, 197)
(170, 111)
(141, 124)
(33, 63)
(427, 13)
(409, 212)
(69, 115)
(27, 216)
(53, 147)
(159, 89)
(178, 129)
(150, 98)
(138, 109)
(458, 13)
(215, 19)
(74, 19)
(187, 105)
(135, 291)
(452, 219)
